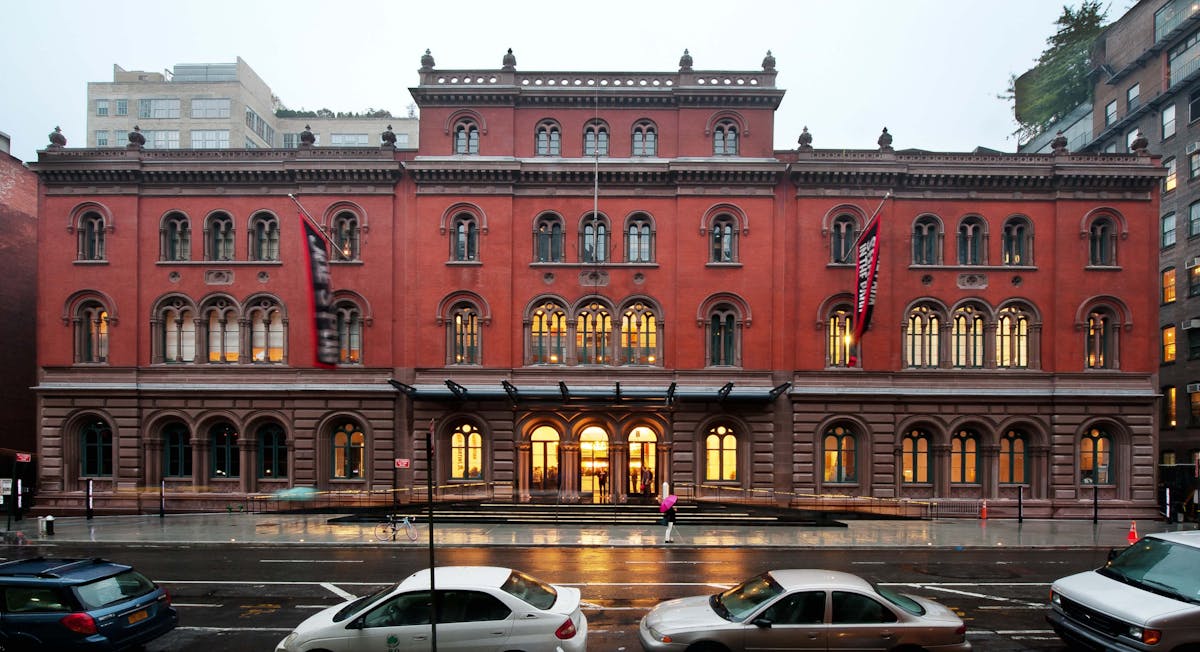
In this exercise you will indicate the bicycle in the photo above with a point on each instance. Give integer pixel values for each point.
(387, 530)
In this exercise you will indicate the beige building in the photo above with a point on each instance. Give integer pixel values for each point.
(218, 106)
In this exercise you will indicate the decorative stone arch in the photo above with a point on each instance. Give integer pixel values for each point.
(443, 432)
(1121, 456)
(649, 302)
(1025, 304)
(1118, 218)
(864, 451)
(826, 307)
(253, 301)
(541, 300)
(323, 442)
(69, 432)
(368, 313)
(706, 219)
(210, 300)
(859, 215)
(533, 420)
(735, 116)
(82, 209)
(989, 314)
(1119, 308)
(937, 427)
(344, 206)
(581, 303)
(464, 207)
(740, 304)
(461, 114)
(745, 448)
(79, 297)
(450, 300)
(942, 309)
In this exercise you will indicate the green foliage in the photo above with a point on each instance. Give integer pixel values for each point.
(1060, 81)
(326, 113)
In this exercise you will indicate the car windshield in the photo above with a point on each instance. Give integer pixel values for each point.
(535, 592)
(740, 601)
(900, 600)
(358, 604)
(110, 590)
(1160, 567)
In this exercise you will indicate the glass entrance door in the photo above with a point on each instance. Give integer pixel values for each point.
(593, 464)
(544, 463)
(642, 461)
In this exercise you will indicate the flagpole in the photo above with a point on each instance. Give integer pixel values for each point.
(886, 196)
(315, 224)
(865, 269)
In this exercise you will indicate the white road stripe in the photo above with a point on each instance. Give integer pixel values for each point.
(194, 604)
(338, 592)
(310, 561)
(285, 630)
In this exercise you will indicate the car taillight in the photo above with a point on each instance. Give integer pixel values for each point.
(961, 630)
(166, 596)
(565, 630)
(80, 623)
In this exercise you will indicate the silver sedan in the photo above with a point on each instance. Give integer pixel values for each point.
(803, 609)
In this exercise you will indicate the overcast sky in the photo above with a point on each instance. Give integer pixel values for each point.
(929, 70)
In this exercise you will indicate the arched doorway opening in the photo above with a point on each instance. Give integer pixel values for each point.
(593, 464)
(642, 462)
(544, 461)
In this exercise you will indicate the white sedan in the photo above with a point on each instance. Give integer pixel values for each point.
(482, 609)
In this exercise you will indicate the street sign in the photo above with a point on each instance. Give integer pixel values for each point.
(24, 457)
(403, 462)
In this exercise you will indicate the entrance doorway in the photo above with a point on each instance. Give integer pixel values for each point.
(544, 461)
(642, 462)
(593, 464)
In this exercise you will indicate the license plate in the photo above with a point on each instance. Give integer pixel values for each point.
(138, 616)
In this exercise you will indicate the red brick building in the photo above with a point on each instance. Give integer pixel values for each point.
(588, 284)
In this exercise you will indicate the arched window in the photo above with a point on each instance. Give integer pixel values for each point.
(843, 233)
(264, 237)
(1101, 339)
(593, 245)
(1013, 338)
(639, 336)
(96, 449)
(350, 332)
(91, 237)
(1017, 243)
(1095, 457)
(464, 334)
(839, 345)
(548, 239)
(220, 319)
(466, 453)
(543, 467)
(349, 451)
(972, 241)
(1102, 242)
(967, 338)
(595, 139)
(346, 235)
(91, 333)
(720, 454)
(466, 137)
(725, 138)
(914, 457)
(226, 462)
(219, 237)
(466, 238)
(266, 332)
(1014, 464)
(841, 459)
(926, 238)
(177, 451)
(723, 337)
(549, 139)
(643, 464)
(593, 331)
(272, 451)
(176, 237)
(724, 239)
(964, 457)
(639, 240)
(645, 139)
(923, 338)
(548, 334)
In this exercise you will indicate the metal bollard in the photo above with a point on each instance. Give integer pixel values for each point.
(41, 525)
(50, 526)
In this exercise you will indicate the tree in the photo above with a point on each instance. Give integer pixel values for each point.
(1061, 79)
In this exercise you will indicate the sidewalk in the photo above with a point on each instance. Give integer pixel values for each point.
(315, 529)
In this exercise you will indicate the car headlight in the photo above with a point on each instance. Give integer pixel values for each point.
(287, 642)
(1147, 636)
(1055, 599)
(658, 636)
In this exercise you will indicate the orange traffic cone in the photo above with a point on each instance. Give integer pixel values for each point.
(983, 511)
(1133, 535)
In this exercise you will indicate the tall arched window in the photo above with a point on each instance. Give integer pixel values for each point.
(548, 334)
(266, 332)
(176, 237)
(841, 459)
(219, 237)
(264, 237)
(914, 457)
(725, 138)
(645, 139)
(923, 338)
(720, 454)
(549, 139)
(96, 449)
(466, 237)
(643, 462)
(964, 457)
(1095, 457)
(926, 239)
(91, 237)
(466, 453)
(967, 338)
(226, 462)
(1017, 244)
(346, 234)
(839, 343)
(593, 246)
(593, 330)
(843, 232)
(1102, 242)
(1014, 464)
(723, 336)
(1012, 338)
(221, 325)
(639, 336)
(724, 239)
(466, 137)
(349, 451)
(1101, 339)
(972, 241)
(639, 240)
(548, 239)
(350, 332)
(272, 451)
(464, 334)
(177, 451)
(91, 333)
(543, 463)
(595, 139)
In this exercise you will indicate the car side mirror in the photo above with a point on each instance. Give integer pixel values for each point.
(357, 623)
(764, 623)
(1112, 553)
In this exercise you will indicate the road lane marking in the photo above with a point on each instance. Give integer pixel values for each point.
(338, 592)
(194, 604)
(310, 561)
(235, 629)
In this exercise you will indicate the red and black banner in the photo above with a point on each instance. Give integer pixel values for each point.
(867, 253)
(325, 337)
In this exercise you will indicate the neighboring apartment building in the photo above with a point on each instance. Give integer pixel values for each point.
(218, 106)
(584, 274)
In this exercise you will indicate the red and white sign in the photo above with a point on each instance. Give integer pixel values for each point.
(402, 462)
(24, 457)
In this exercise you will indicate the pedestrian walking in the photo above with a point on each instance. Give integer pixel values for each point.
(602, 477)
(668, 519)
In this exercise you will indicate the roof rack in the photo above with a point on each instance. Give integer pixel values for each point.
(56, 571)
